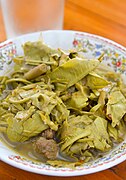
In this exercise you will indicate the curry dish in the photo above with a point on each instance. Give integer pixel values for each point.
(68, 109)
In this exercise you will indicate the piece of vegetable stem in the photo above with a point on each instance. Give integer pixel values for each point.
(35, 72)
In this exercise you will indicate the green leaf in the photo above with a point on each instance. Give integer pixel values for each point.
(71, 72)
(94, 81)
(116, 106)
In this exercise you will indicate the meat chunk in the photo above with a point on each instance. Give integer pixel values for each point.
(47, 147)
(48, 134)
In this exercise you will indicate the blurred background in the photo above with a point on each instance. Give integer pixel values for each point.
(103, 17)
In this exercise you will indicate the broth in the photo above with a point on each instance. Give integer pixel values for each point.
(24, 149)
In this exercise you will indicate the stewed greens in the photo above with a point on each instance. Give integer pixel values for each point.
(74, 106)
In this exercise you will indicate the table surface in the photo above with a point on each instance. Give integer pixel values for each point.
(102, 17)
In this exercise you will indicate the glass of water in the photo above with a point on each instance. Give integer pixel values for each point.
(25, 16)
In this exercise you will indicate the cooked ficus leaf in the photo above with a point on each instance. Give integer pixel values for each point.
(116, 106)
(71, 72)
(94, 81)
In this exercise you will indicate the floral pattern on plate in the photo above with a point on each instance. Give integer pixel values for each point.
(7, 52)
(113, 56)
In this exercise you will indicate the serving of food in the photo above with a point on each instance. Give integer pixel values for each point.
(63, 109)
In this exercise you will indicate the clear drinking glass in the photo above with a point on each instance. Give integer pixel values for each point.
(25, 16)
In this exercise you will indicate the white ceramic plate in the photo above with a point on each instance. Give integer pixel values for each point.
(115, 56)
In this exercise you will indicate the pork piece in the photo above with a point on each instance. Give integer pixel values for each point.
(48, 134)
(47, 147)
